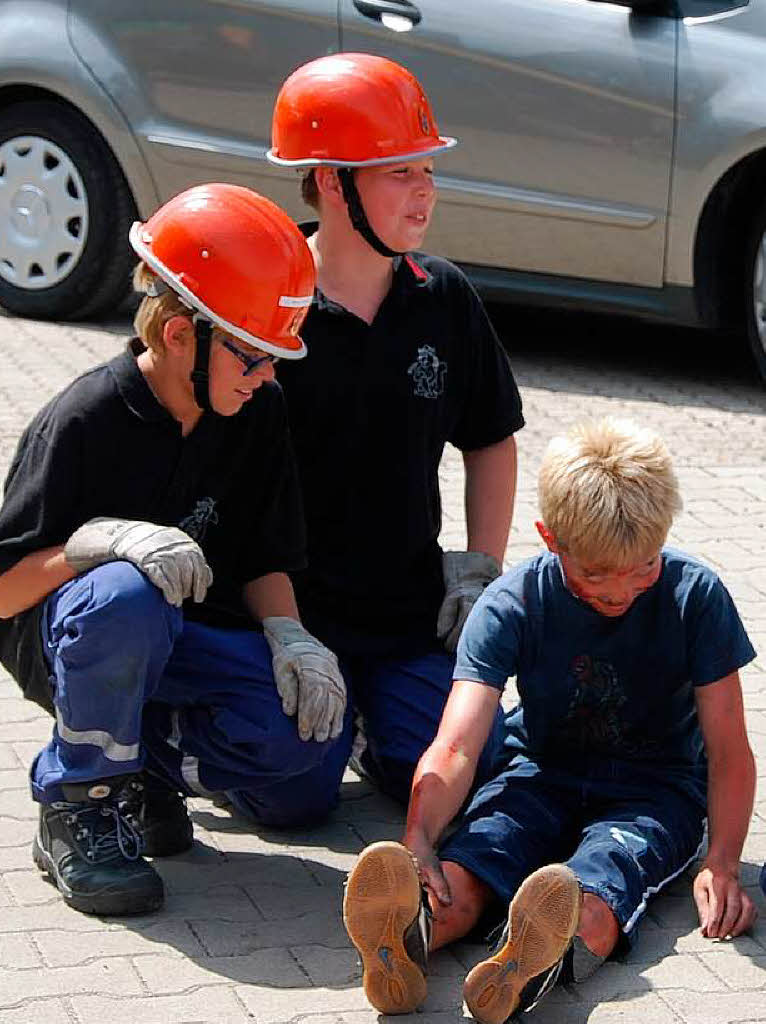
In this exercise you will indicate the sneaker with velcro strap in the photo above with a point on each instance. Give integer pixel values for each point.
(532, 951)
(388, 919)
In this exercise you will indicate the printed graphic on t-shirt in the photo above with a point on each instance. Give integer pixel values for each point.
(595, 720)
(428, 373)
(197, 522)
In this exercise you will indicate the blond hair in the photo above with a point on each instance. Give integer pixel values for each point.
(154, 311)
(608, 492)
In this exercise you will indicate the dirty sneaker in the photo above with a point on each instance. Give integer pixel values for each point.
(387, 917)
(92, 853)
(159, 814)
(542, 920)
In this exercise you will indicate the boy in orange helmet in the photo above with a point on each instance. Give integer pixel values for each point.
(151, 517)
(403, 360)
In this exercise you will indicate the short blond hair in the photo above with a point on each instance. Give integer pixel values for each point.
(154, 311)
(608, 492)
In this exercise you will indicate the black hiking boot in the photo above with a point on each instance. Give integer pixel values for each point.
(91, 852)
(159, 814)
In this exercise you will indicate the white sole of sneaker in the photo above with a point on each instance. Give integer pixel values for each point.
(381, 900)
(542, 920)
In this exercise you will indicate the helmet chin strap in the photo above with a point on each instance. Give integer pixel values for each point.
(358, 216)
(200, 376)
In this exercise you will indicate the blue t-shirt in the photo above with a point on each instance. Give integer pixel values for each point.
(593, 685)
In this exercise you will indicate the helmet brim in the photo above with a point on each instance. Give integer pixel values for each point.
(445, 142)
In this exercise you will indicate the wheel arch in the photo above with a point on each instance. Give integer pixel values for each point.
(119, 143)
(721, 238)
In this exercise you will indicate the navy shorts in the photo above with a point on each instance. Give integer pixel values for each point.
(625, 829)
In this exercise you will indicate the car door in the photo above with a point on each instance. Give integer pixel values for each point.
(564, 112)
(197, 79)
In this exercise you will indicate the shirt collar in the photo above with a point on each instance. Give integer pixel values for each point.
(410, 265)
(409, 271)
(134, 388)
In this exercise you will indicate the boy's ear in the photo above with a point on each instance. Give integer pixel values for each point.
(177, 333)
(328, 185)
(548, 539)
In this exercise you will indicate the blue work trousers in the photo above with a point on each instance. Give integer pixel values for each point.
(400, 702)
(137, 686)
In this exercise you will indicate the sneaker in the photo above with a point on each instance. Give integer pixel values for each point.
(159, 814)
(92, 852)
(387, 917)
(542, 920)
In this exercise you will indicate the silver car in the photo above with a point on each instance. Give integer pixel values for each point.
(612, 156)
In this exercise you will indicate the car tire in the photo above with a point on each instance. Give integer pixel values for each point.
(755, 292)
(65, 212)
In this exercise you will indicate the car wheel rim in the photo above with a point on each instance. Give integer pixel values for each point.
(43, 213)
(759, 291)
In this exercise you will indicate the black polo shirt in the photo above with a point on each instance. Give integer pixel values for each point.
(106, 447)
(371, 408)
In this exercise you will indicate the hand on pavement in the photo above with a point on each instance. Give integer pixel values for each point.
(723, 906)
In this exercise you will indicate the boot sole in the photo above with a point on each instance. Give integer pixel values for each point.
(104, 904)
(381, 901)
(542, 920)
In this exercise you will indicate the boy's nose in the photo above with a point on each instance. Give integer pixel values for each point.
(425, 184)
(620, 595)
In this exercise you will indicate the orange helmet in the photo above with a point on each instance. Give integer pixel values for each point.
(352, 110)
(235, 258)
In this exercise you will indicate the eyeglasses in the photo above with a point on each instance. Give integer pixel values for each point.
(249, 362)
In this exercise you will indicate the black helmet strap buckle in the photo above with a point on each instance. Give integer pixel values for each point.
(358, 216)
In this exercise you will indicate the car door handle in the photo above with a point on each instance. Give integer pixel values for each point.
(399, 8)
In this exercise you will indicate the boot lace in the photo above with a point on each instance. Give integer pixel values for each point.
(101, 832)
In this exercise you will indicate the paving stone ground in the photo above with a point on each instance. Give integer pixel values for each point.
(251, 930)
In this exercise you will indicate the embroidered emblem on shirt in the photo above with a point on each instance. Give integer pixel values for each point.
(428, 373)
(197, 522)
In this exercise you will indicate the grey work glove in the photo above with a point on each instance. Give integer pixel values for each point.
(167, 556)
(466, 574)
(308, 678)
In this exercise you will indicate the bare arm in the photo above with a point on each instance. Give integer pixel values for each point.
(32, 579)
(724, 907)
(490, 490)
(271, 594)
(445, 773)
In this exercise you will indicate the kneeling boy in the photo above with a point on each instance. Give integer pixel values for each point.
(151, 517)
(629, 732)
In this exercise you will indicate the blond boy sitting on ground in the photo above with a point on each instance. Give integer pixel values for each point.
(628, 735)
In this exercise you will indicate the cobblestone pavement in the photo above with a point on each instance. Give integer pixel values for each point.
(252, 930)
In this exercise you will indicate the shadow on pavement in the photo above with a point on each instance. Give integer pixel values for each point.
(624, 358)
